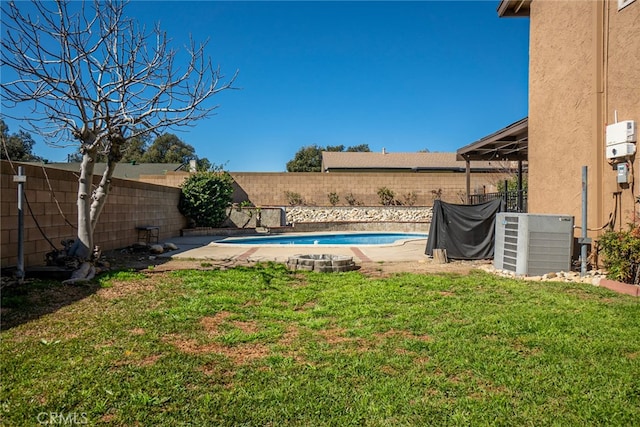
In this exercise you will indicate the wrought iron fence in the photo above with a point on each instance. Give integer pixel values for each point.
(516, 201)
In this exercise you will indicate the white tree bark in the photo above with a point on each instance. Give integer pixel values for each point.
(83, 246)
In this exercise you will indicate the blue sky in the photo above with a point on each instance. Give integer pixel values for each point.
(404, 76)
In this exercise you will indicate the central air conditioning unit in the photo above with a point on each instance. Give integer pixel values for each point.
(533, 244)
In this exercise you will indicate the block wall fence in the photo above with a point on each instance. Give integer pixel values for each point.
(130, 204)
(269, 189)
(52, 194)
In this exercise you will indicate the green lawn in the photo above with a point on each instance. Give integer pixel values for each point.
(266, 347)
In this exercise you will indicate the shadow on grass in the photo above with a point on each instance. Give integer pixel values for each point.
(38, 296)
(22, 303)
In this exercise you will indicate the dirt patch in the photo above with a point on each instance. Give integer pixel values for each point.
(121, 288)
(126, 259)
(427, 266)
(370, 269)
(211, 323)
(239, 354)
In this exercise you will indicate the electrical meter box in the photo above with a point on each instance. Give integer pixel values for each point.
(620, 150)
(623, 173)
(621, 132)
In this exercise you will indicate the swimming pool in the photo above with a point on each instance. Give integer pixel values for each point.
(328, 239)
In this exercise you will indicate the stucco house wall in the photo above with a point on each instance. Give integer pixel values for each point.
(584, 66)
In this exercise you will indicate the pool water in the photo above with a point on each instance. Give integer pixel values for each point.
(325, 239)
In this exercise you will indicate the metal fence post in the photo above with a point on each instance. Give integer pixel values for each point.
(20, 179)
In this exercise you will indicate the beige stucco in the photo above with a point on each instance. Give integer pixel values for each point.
(584, 66)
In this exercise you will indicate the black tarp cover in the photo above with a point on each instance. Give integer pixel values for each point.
(465, 231)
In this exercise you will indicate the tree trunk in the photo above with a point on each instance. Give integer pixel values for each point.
(101, 193)
(83, 246)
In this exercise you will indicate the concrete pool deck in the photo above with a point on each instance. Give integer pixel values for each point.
(206, 248)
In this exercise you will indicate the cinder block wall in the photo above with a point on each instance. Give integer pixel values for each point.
(269, 189)
(170, 179)
(130, 203)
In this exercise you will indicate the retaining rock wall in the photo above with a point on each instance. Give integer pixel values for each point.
(304, 214)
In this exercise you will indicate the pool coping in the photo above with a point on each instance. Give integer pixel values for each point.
(205, 248)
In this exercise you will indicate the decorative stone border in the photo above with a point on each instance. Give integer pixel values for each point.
(310, 214)
(324, 263)
(593, 277)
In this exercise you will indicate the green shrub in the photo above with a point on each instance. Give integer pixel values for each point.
(621, 251)
(334, 198)
(512, 184)
(205, 197)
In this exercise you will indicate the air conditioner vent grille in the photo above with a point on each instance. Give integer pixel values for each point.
(533, 244)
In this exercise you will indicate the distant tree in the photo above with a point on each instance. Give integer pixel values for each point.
(135, 150)
(204, 165)
(168, 148)
(337, 148)
(309, 158)
(132, 152)
(18, 146)
(362, 148)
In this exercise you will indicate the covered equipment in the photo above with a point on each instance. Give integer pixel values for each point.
(465, 231)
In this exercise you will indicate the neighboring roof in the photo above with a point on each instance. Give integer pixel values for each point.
(123, 170)
(508, 8)
(359, 161)
(509, 143)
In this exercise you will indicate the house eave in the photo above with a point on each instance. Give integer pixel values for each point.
(514, 8)
(509, 143)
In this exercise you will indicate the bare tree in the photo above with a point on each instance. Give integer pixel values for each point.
(93, 75)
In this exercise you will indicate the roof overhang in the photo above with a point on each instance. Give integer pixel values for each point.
(510, 8)
(509, 143)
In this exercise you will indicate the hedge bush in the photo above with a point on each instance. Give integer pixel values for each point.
(205, 198)
(621, 251)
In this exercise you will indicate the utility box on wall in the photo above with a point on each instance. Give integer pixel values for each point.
(621, 132)
(620, 150)
(533, 244)
(620, 138)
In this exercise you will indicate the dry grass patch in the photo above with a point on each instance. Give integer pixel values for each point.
(240, 354)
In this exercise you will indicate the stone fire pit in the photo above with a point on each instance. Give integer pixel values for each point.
(322, 263)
